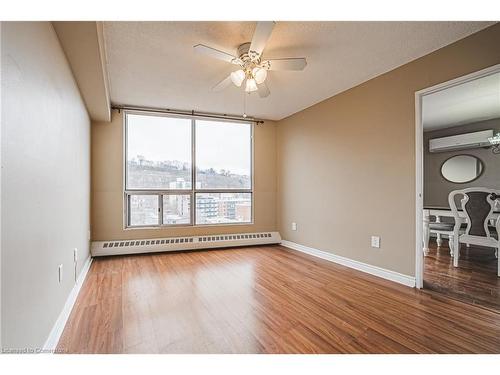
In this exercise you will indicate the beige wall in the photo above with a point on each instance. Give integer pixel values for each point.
(107, 186)
(346, 166)
(45, 182)
(436, 188)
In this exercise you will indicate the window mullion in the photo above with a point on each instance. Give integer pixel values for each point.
(193, 171)
(128, 210)
(160, 209)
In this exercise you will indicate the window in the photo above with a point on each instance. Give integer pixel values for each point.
(176, 209)
(223, 155)
(158, 152)
(143, 209)
(222, 208)
(187, 171)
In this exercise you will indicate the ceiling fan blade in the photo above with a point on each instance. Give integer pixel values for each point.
(215, 53)
(226, 82)
(261, 35)
(287, 64)
(263, 90)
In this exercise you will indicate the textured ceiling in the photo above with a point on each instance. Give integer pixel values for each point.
(153, 63)
(469, 102)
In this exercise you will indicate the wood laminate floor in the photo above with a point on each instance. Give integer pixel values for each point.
(475, 279)
(265, 299)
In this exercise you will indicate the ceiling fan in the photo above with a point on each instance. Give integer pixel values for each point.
(253, 68)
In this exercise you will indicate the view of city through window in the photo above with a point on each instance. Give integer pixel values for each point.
(159, 153)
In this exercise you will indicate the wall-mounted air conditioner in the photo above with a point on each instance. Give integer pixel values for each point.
(461, 141)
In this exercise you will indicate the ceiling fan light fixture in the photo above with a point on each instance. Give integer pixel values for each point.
(251, 85)
(252, 67)
(238, 77)
(260, 74)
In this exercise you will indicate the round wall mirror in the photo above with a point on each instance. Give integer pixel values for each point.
(461, 169)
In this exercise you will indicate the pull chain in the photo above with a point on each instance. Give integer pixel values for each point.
(244, 104)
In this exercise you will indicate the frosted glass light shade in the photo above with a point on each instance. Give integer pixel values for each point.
(259, 74)
(251, 85)
(238, 77)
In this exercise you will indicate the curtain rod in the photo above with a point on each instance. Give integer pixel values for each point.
(186, 113)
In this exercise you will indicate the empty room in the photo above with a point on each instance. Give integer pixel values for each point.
(265, 186)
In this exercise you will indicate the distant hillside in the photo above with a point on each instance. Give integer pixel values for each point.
(161, 175)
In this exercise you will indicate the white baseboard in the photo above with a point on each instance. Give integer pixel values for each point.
(57, 329)
(368, 268)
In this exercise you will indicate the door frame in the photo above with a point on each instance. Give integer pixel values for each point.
(419, 160)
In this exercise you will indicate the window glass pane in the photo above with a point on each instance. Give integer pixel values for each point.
(220, 208)
(143, 210)
(223, 152)
(177, 209)
(158, 152)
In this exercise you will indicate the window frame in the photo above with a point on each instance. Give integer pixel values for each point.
(192, 191)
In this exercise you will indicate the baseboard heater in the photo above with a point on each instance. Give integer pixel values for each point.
(154, 245)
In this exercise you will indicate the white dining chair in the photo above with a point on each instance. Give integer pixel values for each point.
(441, 229)
(477, 205)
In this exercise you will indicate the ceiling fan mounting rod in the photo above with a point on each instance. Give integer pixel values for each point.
(244, 52)
(243, 49)
(247, 59)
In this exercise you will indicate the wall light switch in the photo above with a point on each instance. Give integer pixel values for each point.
(75, 262)
(294, 226)
(60, 270)
(376, 241)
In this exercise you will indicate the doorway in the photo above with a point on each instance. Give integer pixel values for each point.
(465, 107)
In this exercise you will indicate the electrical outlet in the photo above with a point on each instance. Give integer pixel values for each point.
(376, 241)
(294, 226)
(60, 272)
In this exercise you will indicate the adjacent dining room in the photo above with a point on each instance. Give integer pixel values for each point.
(461, 125)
